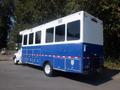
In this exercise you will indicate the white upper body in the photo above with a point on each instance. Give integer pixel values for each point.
(91, 29)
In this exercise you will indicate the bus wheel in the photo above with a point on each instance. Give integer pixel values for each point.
(48, 70)
(15, 61)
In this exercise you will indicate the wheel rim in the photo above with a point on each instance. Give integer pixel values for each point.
(47, 69)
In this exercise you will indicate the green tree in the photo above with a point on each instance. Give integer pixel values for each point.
(109, 12)
(30, 13)
(4, 23)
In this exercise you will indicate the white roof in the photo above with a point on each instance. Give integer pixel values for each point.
(63, 20)
(53, 23)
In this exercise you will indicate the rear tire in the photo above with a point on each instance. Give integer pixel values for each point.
(48, 69)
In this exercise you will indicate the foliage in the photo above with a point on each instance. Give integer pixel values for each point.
(112, 63)
(3, 24)
(30, 13)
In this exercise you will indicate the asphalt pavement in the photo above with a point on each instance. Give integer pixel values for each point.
(28, 77)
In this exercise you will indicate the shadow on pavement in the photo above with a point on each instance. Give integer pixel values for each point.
(95, 80)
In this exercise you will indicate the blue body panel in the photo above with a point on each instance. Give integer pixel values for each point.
(64, 57)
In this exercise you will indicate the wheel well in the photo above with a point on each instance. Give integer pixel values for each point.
(46, 62)
(14, 57)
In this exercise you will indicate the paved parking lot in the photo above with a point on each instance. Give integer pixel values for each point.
(27, 77)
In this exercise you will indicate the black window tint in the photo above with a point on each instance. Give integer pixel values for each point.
(60, 33)
(73, 30)
(31, 38)
(19, 39)
(49, 34)
(25, 40)
(38, 37)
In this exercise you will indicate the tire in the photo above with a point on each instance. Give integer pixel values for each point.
(15, 62)
(48, 69)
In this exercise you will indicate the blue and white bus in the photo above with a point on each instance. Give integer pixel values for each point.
(73, 43)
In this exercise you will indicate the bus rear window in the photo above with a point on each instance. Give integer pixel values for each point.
(73, 30)
(25, 40)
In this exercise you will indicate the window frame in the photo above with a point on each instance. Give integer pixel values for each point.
(52, 34)
(39, 38)
(32, 39)
(79, 30)
(64, 33)
(25, 43)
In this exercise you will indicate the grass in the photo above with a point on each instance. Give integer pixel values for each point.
(112, 63)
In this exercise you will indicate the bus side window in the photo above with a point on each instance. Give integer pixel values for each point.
(49, 35)
(25, 40)
(31, 38)
(60, 33)
(73, 30)
(38, 37)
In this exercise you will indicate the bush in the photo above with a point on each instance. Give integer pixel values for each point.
(112, 63)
